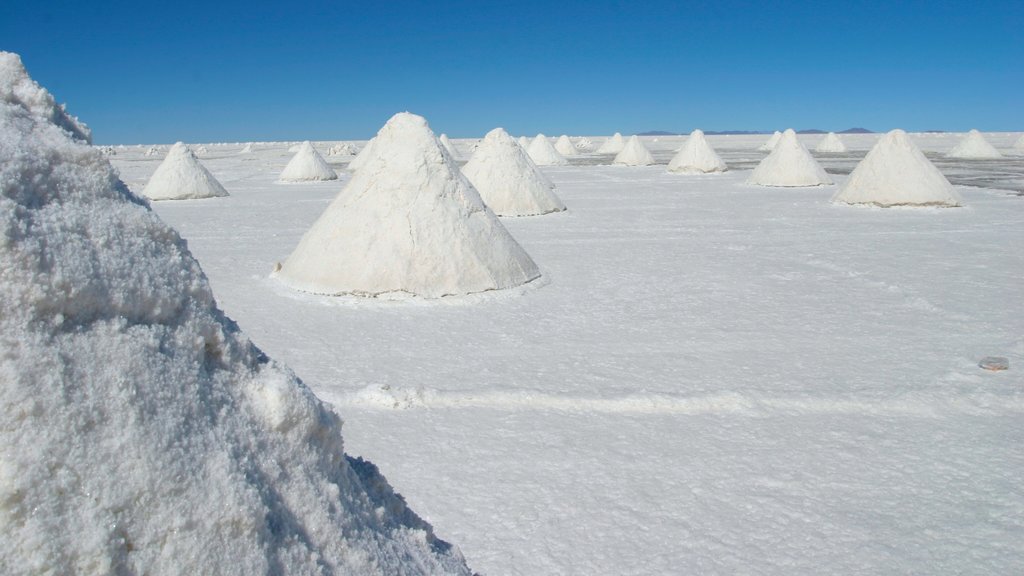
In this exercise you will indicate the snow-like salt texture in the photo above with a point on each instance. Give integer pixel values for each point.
(896, 173)
(543, 153)
(585, 144)
(613, 145)
(140, 431)
(182, 177)
(769, 144)
(507, 180)
(408, 222)
(634, 153)
(363, 156)
(696, 157)
(306, 165)
(974, 146)
(565, 146)
(448, 145)
(830, 144)
(343, 149)
(789, 164)
(16, 87)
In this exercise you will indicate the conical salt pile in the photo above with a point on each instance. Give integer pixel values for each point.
(565, 146)
(974, 146)
(585, 144)
(508, 181)
(448, 145)
(363, 156)
(830, 144)
(182, 177)
(15, 83)
(769, 145)
(696, 157)
(407, 222)
(524, 142)
(613, 145)
(634, 153)
(543, 153)
(896, 173)
(140, 431)
(789, 164)
(307, 165)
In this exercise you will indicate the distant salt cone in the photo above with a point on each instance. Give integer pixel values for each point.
(408, 222)
(613, 145)
(896, 173)
(182, 177)
(565, 146)
(974, 146)
(307, 165)
(769, 145)
(830, 144)
(363, 156)
(585, 144)
(696, 157)
(789, 165)
(508, 181)
(543, 153)
(524, 142)
(448, 145)
(634, 153)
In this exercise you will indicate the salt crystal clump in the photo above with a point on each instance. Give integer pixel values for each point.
(565, 146)
(896, 173)
(769, 145)
(16, 87)
(789, 164)
(408, 222)
(585, 144)
(696, 157)
(307, 165)
(508, 181)
(543, 153)
(830, 144)
(343, 149)
(613, 145)
(634, 153)
(140, 431)
(974, 146)
(363, 156)
(182, 177)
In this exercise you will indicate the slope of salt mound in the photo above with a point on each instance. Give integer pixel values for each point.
(543, 153)
(696, 157)
(565, 147)
(16, 87)
(789, 165)
(634, 153)
(896, 173)
(613, 145)
(507, 180)
(974, 146)
(443, 138)
(363, 156)
(307, 165)
(140, 431)
(408, 222)
(182, 177)
(830, 144)
(769, 144)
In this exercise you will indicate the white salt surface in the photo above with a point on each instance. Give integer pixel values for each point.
(717, 379)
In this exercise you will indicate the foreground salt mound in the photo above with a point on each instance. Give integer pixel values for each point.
(507, 180)
(140, 431)
(896, 173)
(307, 165)
(696, 157)
(363, 156)
(182, 177)
(789, 164)
(543, 153)
(974, 146)
(565, 146)
(613, 145)
(830, 144)
(16, 87)
(634, 153)
(408, 222)
(769, 144)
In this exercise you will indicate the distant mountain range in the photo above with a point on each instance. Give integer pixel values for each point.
(749, 132)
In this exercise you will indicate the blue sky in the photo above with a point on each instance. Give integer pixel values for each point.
(236, 71)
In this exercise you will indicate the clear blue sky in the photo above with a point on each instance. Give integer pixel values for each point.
(155, 71)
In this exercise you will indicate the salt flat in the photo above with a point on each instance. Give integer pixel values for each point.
(709, 378)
